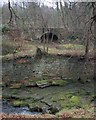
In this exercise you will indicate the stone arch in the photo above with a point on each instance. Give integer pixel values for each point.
(50, 36)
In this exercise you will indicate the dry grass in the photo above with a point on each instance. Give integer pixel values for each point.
(22, 48)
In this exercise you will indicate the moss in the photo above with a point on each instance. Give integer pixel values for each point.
(68, 103)
(60, 97)
(81, 92)
(86, 106)
(60, 82)
(36, 106)
(42, 82)
(75, 100)
(56, 82)
(32, 81)
(19, 103)
(61, 100)
(69, 94)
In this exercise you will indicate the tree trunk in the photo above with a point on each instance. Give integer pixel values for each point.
(87, 47)
(94, 16)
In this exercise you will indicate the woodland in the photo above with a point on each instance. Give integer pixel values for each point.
(48, 59)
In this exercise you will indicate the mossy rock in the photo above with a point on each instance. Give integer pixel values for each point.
(60, 97)
(59, 82)
(54, 110)
(42, 82)
(53, 82)
(19, 103)
(68, 103)
(36, 107)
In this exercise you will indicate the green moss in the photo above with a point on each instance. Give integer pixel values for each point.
(57, 82)
(36, 106)
(42, 82)
(58, 97)
(19, 103)
(81, 92)
(30, 80)
(75, 100)
(38, 103)
(60, 82)
(69, 94)
(86, 106)
(68, 103)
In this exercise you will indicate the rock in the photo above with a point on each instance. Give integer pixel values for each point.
(38, 98)
(45, 109)
(53, 109)
(31, 85)
(49, 104)
(44, 85)
(36, 107)
(14, 97)
(80, 80)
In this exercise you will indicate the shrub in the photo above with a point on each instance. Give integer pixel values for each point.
(4, 29)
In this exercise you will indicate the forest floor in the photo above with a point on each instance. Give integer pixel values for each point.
(62, 98)
(22, 48)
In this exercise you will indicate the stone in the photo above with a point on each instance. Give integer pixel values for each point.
(53, 109)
